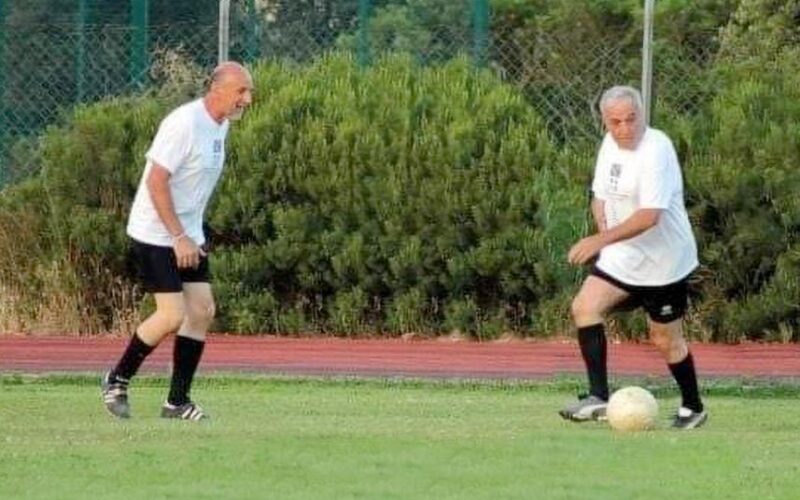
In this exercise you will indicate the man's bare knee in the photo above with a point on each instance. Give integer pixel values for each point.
(201, 312)
(171, 318)
(661, 340)
(170, 310)
(668, 339)
(585, 313)
(167, 318)
(577, 308)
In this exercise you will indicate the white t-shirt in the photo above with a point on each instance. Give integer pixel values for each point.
(191, 146)
(647, 177)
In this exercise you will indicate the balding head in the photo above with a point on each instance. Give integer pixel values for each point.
(227, 71)
(230, 91)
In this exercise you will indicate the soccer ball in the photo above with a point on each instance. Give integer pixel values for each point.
(632, 409)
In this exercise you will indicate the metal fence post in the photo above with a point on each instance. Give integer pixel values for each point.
(480, 31)
(139, 58)
(224, 40)
(647, 60)
(364, 7)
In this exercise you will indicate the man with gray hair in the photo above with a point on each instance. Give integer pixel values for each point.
(645, 253)
(184, 164)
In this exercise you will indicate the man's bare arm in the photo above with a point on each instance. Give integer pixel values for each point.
(641, 220)
(599, 213)
(158, 186)
(187, 253)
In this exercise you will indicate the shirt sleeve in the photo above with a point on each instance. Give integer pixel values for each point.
(597, 180)
(172, 143)
(658, 177)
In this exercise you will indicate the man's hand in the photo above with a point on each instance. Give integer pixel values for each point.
(187, 253)
(641, 220)
(583, 251)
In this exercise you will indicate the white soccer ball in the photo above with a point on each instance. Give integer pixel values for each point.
(632, 409)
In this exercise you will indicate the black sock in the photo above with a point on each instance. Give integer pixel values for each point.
(131, 359)
(592, 340)
(185, 358)
(686, 377)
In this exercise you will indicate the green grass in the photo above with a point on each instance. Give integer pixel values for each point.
(385, 439)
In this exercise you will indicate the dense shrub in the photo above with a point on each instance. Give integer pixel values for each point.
(399, 198)
(744, 183)
(63, 230)
(372, 200)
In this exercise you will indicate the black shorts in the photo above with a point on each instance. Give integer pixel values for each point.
(663, 304)
(157, 269)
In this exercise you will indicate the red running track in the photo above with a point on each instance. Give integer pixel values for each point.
(386, 358)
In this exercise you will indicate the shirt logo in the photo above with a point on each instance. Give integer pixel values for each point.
(666, 310)
(616, 172)
(216, 155)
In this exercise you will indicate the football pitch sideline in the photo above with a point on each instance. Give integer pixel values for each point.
(293, 438)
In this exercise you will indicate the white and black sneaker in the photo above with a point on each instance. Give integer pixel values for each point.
(186, 411)
(115, 396)
(686, 418)
(588, 407)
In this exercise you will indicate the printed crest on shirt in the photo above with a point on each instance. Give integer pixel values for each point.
(615, 174)
(216, 161)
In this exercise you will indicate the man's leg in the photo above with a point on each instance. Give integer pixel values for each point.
(594, 300)
(670, 341)
(589, 308)
(189, 345)
(166, 319)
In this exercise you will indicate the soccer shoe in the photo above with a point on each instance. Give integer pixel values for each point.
(115, 396)
(688, 419)
(186, 411)
(588, 407)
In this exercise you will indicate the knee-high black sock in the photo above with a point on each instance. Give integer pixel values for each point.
(131, 359)
(686, 377)
(185, 358)
(592, 340)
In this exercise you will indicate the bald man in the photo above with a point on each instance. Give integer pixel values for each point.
(183, 165)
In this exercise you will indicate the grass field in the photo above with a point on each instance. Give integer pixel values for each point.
(314, 438)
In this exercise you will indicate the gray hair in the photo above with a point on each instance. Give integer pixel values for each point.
(620, 93)
(224, 71)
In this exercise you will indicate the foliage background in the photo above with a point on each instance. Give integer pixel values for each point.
(427, 195)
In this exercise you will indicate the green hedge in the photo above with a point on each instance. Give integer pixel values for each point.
(395, 199)
(401, 198)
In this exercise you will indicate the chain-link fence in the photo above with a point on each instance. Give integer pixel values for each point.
(57, 53)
